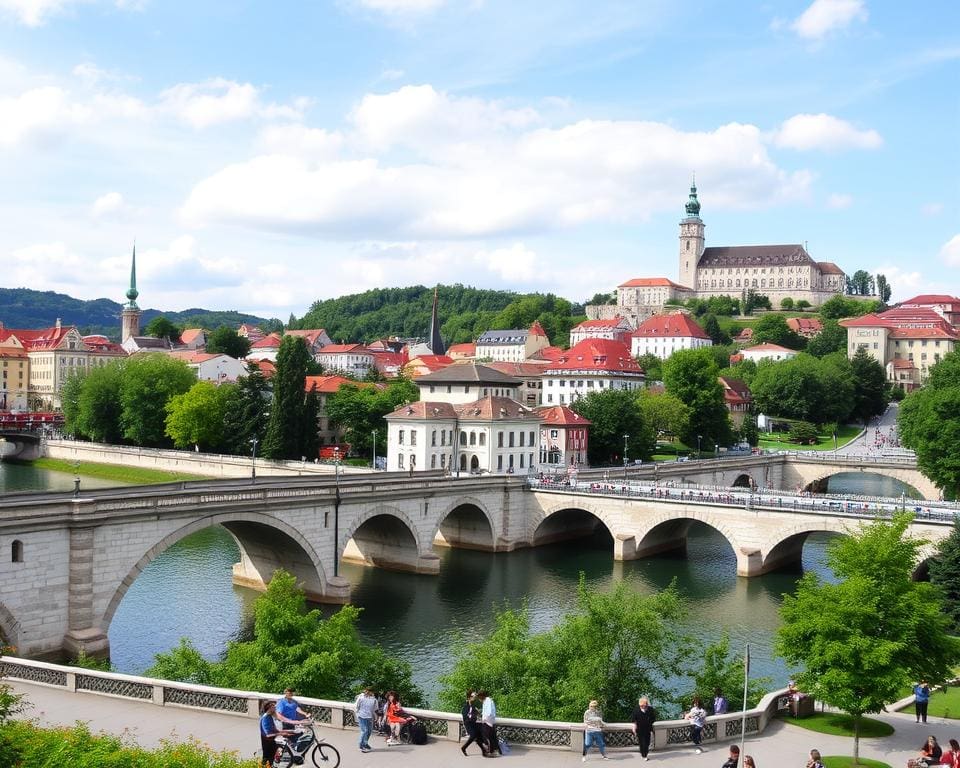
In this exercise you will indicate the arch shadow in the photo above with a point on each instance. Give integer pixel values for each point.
(744, 480)
(9, 628)
(386, 537)
(567, 524)
(265, 543)
(820, 484)
(467, 525)
(787, 553)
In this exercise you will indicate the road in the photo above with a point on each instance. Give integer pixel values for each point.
(886, 426)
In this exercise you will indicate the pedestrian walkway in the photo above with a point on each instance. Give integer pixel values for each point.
(781, 746)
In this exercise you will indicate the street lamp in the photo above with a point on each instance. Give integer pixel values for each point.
(625, 438)
(76, 479)
(253, 461)
(336, 512)
(699, 438)
(716, 450)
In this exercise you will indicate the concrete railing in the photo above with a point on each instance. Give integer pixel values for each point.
(338, 714)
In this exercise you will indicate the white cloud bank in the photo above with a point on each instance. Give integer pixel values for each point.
(218, 100)
(36, 13)
(950, 252)
(824, 17)
(825, 132)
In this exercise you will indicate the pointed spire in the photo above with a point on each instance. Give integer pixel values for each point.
(436, 342)
(693, 204)
(132, 292)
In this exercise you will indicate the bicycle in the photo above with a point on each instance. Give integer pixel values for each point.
(294, 749)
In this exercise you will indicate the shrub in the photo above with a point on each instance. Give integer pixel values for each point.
(786, 303)
(803, 432)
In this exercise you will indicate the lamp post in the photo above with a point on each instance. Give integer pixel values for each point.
(456, 449)
(625, 438)
(336, 512)
(716, 450)
(253, 461)
(699, 438)
(373, 464)
(76, 479)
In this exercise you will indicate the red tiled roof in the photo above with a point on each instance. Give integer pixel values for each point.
(676, 325)
(735, 392)
(938, 332)
(520, 370)
(652, 282)
(599, 323)
(432, 362)
(491, 408)
(39, 339)
(12, 352)
(829, 268)
(930, 299)
(267, 367)
(330, 384)
(310, 335)
(465, 348)
(551, 354)
(805, 324)
(194, 356)
(536, 329)
(190, 334)
(384, 361)
(601, 355)
(424, 410)
(903, 364)
(561, 415)
(271, 341)
(345, 349)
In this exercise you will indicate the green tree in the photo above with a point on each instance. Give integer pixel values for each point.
(803, 432)
(196, 417)
(70, 403)
(691, 376)
(99, 409)
(883, 289)
(613, 646)
(832, 338)
(929, 423)
(870, 396)
(359, 411)
(614, 413)
(745, 370)
(665, 413)
(652, 367)
(860, 284)
(162, 328)
(786, 303)
(860, 641)
(724, 672)
(147, 383)
(711, 327)
(296, 648)
(754, 300)
(773, 329)
(804, 388)
(748, 431)
(226, 341)
(285, 429)
(245, 414)
(802, 304)
(945, 574)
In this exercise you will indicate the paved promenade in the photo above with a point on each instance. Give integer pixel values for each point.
(781, 746)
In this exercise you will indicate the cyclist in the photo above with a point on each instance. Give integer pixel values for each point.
(288, 710)
(269, 733)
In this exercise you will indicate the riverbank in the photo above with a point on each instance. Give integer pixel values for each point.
(124, 475)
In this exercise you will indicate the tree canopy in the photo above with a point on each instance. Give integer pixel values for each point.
(288, 431)
(226, 341)
(614, 413)
(146, 384)
(773, 329)
(832, 338)
(691, 376)
(195, 418)
(359, 411)
(858, 642)
(162, 328)
(805, 388)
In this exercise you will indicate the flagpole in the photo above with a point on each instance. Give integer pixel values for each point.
(743, 715)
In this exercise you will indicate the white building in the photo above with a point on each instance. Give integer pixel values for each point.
(353, 359)
(217, 368)
(593, 365)
(460, 383)
(490, 434)
(316, 339)
(513, 346)
(662, 335)
(614, 329)
(768, 352)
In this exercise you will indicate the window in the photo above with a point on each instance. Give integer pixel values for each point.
(443, 461)
(511, 439)
(554, 433)
(563, 382)
(473, 438)
(400, 438)
(549, 398)
(500, 462)
(443, 437)
(511, 461)
(483, 438)
(413, 437)
(499, 439)
(16, 551)
(433, 461)
(433, 438)
(531, 439)
(531, 459)
(521, 461)
(399, 461)
(463, 439)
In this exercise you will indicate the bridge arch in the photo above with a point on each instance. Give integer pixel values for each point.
(819, 483)
(385, 536)
(466, 523)
(667, 532)
(785, 549)
(744, 480)
(266, 543)
(566, 521)
(9, 628)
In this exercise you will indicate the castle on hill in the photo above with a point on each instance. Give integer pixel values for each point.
(776, 271)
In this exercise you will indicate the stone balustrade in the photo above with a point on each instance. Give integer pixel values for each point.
(337, 714)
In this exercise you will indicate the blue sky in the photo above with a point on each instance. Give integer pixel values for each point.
(265, 155)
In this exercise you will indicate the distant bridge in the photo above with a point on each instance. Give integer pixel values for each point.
(66, 563)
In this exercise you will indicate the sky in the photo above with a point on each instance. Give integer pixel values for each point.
(265, 155)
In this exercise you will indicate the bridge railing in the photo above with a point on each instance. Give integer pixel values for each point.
(339, 714)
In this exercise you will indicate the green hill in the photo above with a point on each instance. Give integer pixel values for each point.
(465, 313)
(25, 308)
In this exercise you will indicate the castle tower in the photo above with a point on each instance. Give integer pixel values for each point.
(130, 315)
(691, 240)
(436, 342)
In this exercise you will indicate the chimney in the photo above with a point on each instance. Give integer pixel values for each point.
(57, 324)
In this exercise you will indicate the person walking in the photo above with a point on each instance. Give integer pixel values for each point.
(288, 709)
(720, 703)
(593, 730)
(643, 717)
(365, 707)
(269, 733)
(698, 718)
(470, 716)
(488, 724)
(733, 758)
(921, 693)
(815, 760)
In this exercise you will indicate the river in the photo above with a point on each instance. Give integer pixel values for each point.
(187, 592)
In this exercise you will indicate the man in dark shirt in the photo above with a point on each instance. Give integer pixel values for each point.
(643, 718)
(734, 759)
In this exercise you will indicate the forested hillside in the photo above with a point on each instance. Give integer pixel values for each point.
(25, 308)
(465, 313)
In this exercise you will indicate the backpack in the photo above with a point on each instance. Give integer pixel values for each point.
(418, 733)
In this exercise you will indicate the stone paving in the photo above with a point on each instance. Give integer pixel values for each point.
(782, 745)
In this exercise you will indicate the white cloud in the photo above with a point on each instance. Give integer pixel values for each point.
(109, 204)
(932, 209)
(38, 113)
(824, 132)
(423, 164)
(514, 264)
(826, 16)
(839, 201)
(218, 100)
(35, 13)
(400, 7)
(950, 252)
(300, 140)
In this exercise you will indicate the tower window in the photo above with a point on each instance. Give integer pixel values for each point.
(688, 245)
(16, 551)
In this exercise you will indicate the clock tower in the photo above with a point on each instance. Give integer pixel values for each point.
(691, 240)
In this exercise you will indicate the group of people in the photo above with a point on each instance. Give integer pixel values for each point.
(931, 753)
(387, 714)
(279, 719)
(480, 724)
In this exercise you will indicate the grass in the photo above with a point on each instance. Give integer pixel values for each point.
(122, 474)
(944, 703)
(780, 441)
(834, 724)
(844, 761)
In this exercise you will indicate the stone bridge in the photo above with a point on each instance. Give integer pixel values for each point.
(796, 471)
(15, 444)
(66, 563)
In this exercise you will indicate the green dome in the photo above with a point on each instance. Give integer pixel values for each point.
(693, 205)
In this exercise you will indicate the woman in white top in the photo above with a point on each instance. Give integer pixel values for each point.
(697, 717)
(593, 730)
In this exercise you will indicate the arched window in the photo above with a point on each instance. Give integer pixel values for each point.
(463, 438)
(483, 438)
(16, 551)
(473, 438)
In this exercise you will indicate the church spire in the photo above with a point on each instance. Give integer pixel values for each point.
(693, 204)
(132, 291)
(436, 342)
